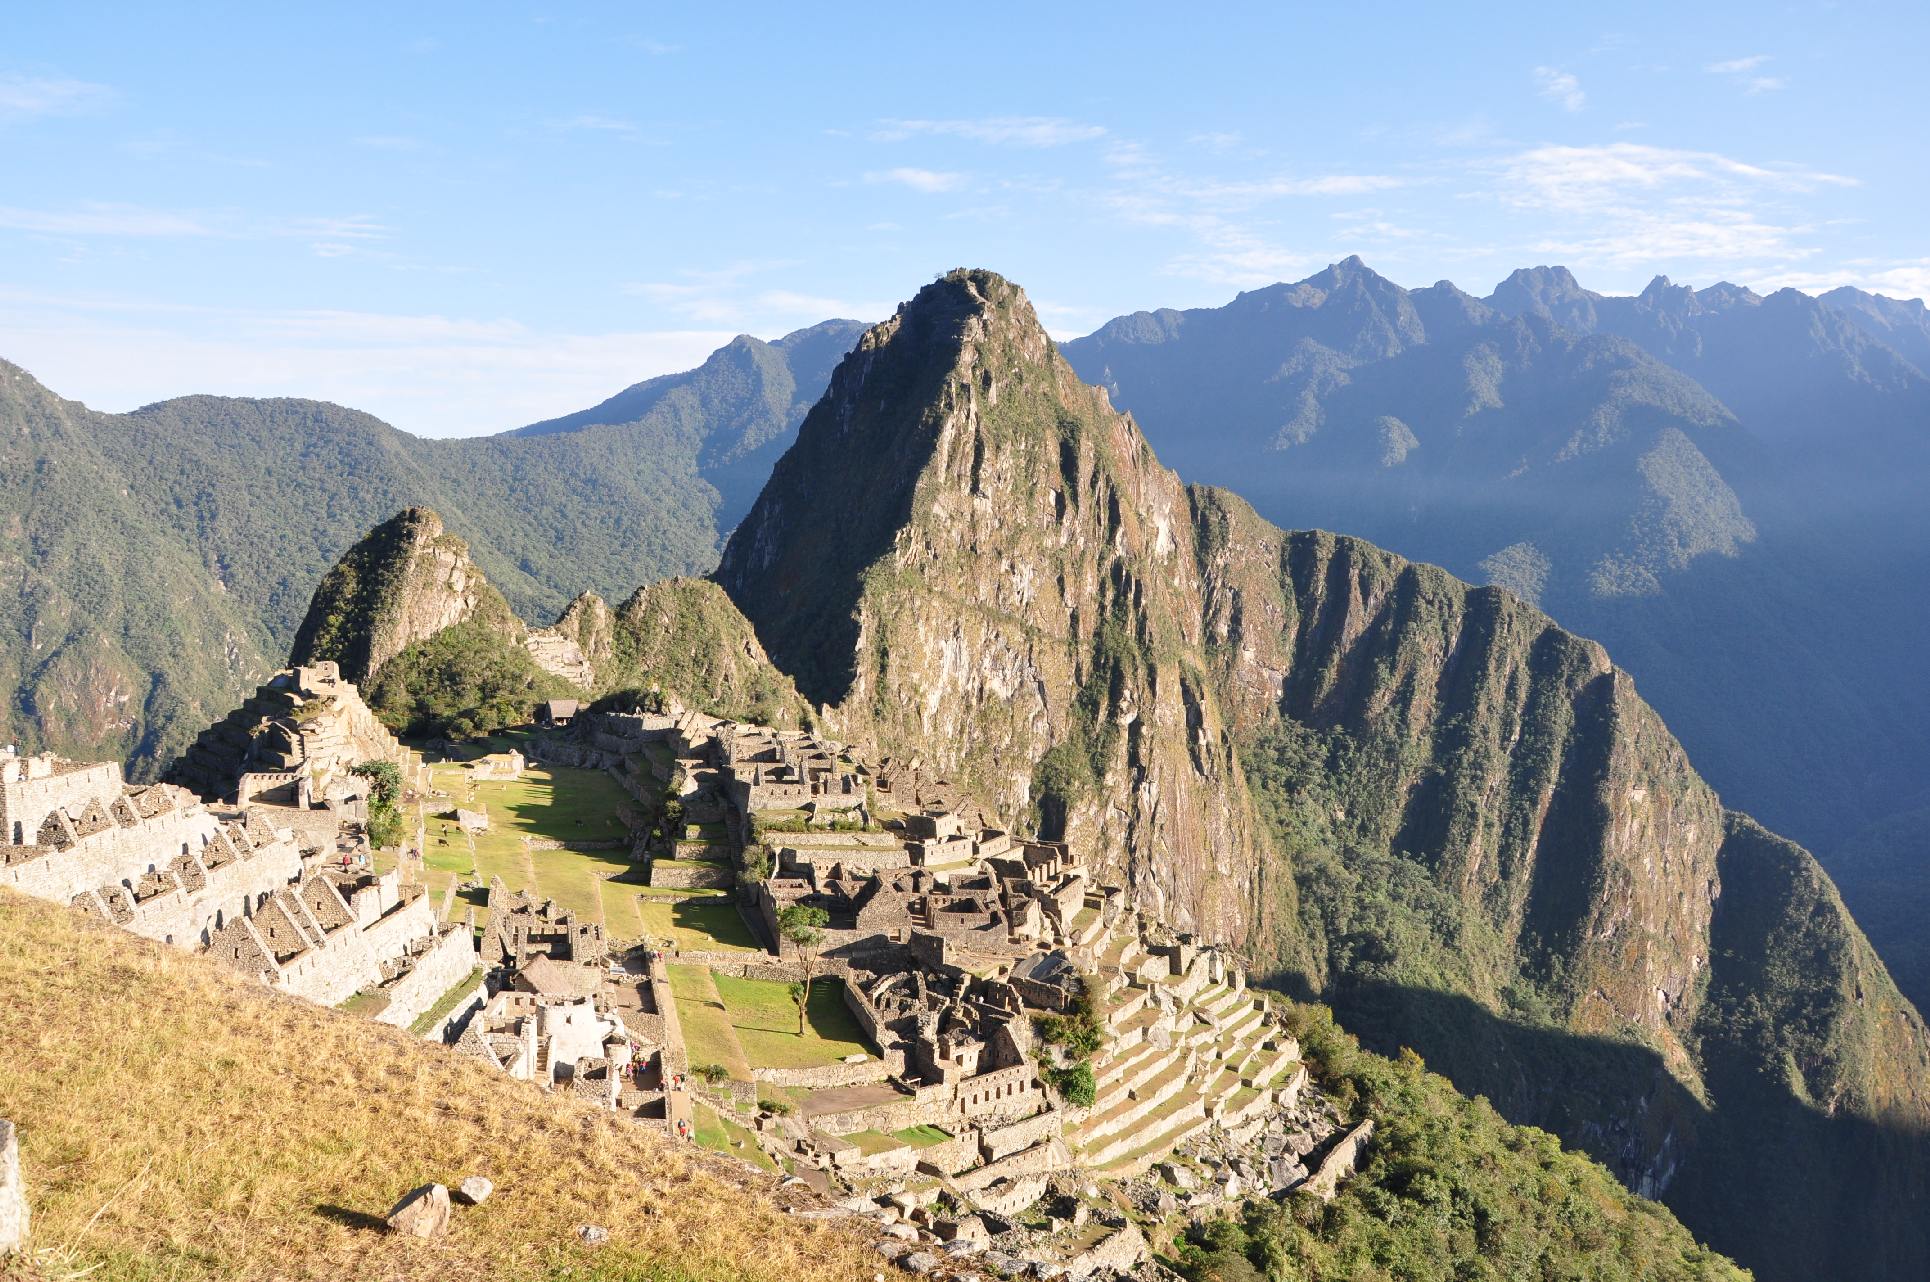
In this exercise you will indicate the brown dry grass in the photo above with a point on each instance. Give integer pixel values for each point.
(180, 1122)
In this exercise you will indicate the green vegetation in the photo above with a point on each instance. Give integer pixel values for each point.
(1447, 1190)
(556, 803)
(385, 796)
(684, 637)
(1077, 1035)
(465, 680)
(762, 1015)
(802, 927)
(696, 923)
(1074, 1082)
(922, 1136)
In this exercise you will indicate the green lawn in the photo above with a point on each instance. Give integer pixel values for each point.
(920, 1136)
(716, 1131)
(765, 1020)
(709, 1037)
(697, 923)
(547, 802)
(873, 1142)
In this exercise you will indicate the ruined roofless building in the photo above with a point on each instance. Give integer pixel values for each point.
(520, 929)
(154, 859)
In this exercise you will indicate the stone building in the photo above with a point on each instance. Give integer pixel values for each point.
(154, 859)
(521, 929)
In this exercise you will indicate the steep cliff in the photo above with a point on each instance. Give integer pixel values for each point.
(969, 557)
(1419, 799)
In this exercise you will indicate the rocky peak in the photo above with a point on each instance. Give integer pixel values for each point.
(403, 582)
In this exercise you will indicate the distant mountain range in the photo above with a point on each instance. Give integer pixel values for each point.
(162, 560)
(1725, 489)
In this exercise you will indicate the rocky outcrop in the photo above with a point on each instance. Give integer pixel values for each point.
(405, 581)
(14, 1220)
(1420, 799)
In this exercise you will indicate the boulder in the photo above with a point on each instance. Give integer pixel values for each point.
(474, 1190)
(1178, 1176)
(918, 1262)
(423, 1212)
(592, 1234)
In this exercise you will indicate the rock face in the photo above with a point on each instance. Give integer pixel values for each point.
(1421, 800)
(13, 1193)
(406, 580)
(423, 1212)
(969, 557)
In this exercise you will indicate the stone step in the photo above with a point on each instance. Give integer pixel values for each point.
(1216, 999)
(1121, 1058)
(1242, 1024)
(1155, 1096)
(1181, 1120)
(1135, 1079)
(1123, 1011)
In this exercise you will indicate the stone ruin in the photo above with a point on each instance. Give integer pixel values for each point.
(264, 867)
(294, 744)
(521, 929)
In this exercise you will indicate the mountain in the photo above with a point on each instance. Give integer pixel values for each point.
(163, 559)
(1720, 487)
(1902, 325)
(410, 617)
(1422, 801)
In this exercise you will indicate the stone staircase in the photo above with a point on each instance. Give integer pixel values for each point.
(1183, 1054)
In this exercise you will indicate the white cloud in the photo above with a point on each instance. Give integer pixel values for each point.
(25, 97)
(925, 180)
(598, 122)
(730, 295)
(107, 218)
(437, 375)
(1560, 87)
(1738, 69)
(1019, 131)
(1626, 204)
(101, 218)
(1576, 179)
(1894, 278)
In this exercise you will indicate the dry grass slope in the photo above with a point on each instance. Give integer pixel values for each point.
(178, 1122)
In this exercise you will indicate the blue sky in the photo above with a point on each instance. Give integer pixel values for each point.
(463, 218)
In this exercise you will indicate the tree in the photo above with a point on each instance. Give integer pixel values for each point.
(385, 794)
(803, 927)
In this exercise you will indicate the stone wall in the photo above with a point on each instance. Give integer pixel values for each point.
(13, 1193)
(450, 1027)
(827, 1075)
(701, 876)
(446, 963)
(31, 788)
(350, 959)
(1002, 1141)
